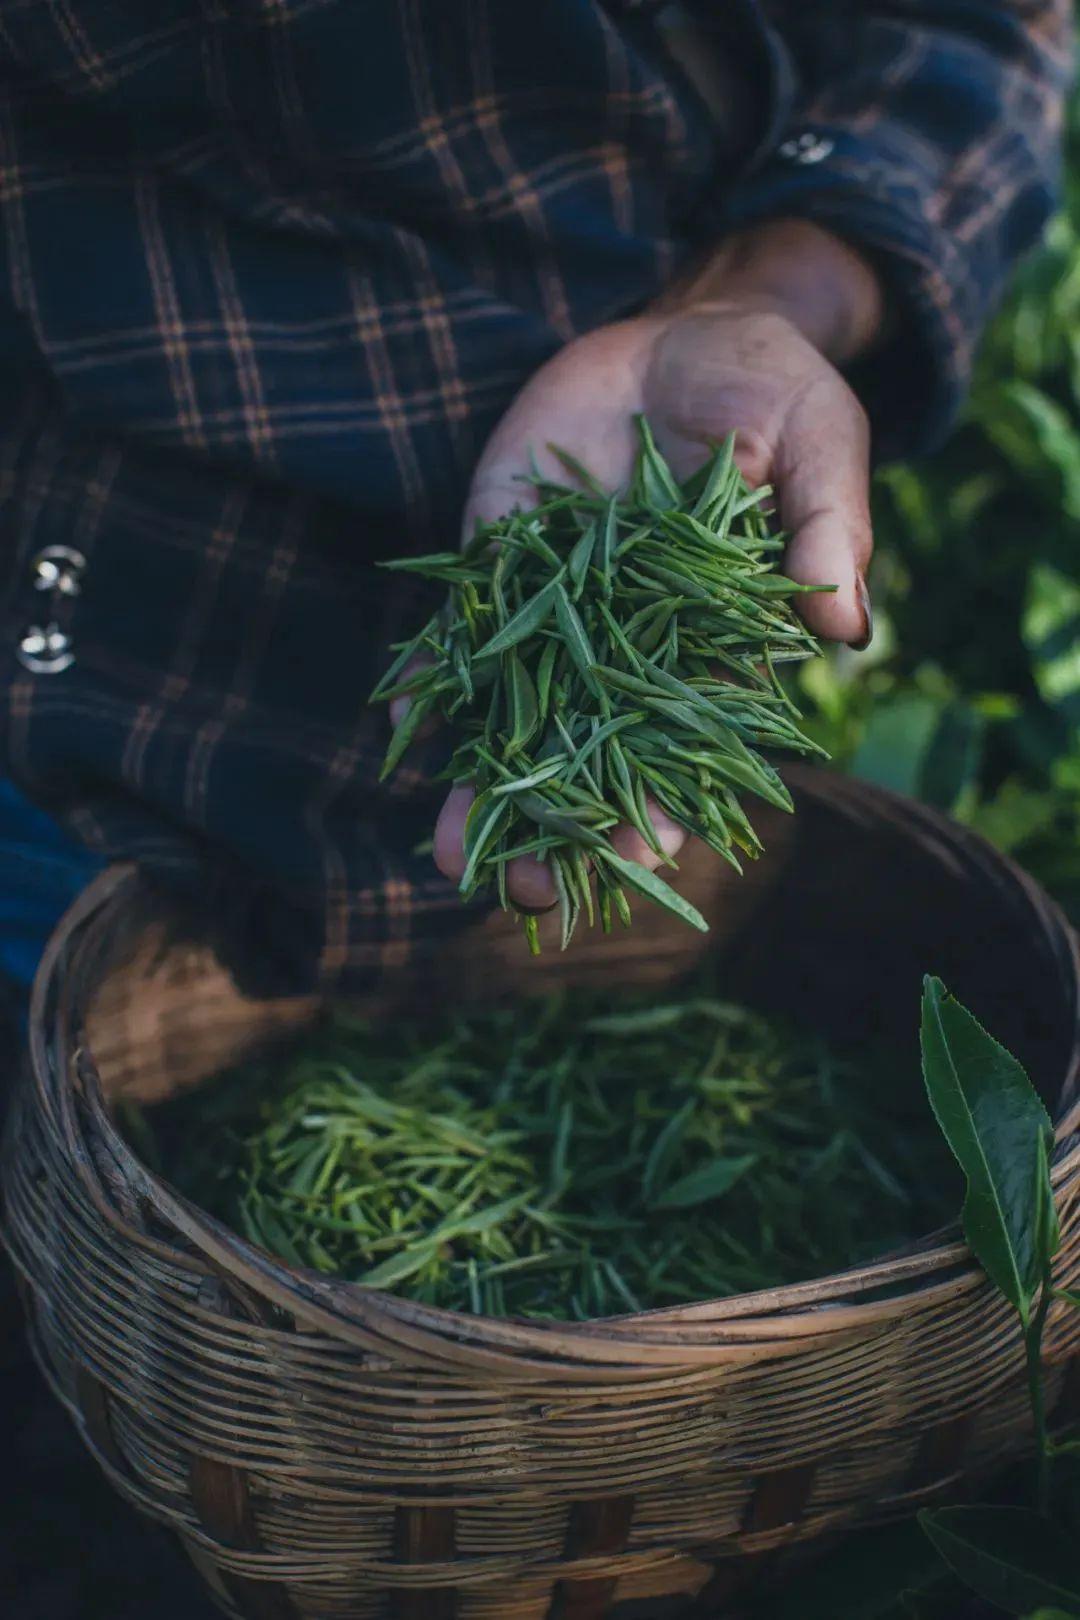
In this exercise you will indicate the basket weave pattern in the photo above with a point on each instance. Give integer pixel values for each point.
(332, 1453)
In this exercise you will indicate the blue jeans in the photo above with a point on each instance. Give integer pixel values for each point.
(42, 870)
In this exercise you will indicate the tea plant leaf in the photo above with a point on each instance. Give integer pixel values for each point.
(544, 671)
(407, 652)
(600, 736)
(653, 888)
(524, 705)
(700, 1186)
(400, 1267)
(577, 470)
(1000, 1133)
(646, 1021)
(526, 621)
(580, 558)
(481, 829)
(573, 631)
(1011, 1557)
(658, 487)
(543, 773)
(717, 480)
(608, 536)
(561, 821)
(419, 709)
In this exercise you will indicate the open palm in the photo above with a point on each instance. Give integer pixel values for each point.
(697, 375)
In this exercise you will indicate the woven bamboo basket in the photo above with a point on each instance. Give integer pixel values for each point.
(327, 1452)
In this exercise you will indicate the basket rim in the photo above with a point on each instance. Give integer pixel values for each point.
(765, 1325)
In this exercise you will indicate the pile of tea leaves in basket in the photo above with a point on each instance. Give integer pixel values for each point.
(559, 1159)
(597, 652)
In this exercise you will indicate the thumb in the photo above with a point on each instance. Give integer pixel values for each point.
(500, 482)
(582, 400)
(822, 473)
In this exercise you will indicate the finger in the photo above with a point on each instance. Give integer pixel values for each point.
(686, 451)
(530, 885)
(529, 881)
(629, 843)
(448, 845)
(822, 472)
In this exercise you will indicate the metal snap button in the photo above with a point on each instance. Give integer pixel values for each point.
(59, 568)
(807, 148)
(45, 650)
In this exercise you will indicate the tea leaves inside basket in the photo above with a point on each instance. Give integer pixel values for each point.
(560, 1160)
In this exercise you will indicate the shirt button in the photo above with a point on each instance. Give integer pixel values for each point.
(59, 568)
(807, 148)
(45, 650)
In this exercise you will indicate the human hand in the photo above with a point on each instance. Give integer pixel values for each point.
(750, 345)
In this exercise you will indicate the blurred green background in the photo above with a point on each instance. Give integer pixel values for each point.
(969, 696)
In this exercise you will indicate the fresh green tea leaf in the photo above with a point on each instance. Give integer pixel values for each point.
(658, 487)
(653, 888)
(526, 621)
(580, 558)
(524, 705)
(701, 1186)
(405, 731)
(399, 1267)
(482, 826)
(407, 652)
(574, 635)
(998, 1129)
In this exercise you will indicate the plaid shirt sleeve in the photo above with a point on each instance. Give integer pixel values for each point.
(926, 132)
(269, 275)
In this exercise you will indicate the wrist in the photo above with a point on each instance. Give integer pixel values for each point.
(793, 268)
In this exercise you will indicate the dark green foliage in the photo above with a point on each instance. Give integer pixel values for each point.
(970, 695)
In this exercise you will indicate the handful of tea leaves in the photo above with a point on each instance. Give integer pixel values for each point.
(595, 650)
(555, 1159)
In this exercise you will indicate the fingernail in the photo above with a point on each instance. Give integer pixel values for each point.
(862, 596)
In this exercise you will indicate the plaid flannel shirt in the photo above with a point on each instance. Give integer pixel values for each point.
(269, 272)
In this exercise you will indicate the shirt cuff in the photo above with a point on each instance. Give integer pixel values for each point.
(937, 296)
